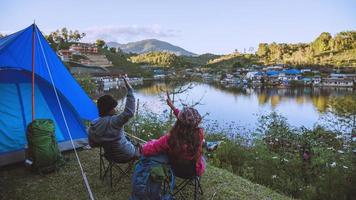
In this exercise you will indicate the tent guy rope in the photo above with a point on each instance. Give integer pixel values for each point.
(65, 121)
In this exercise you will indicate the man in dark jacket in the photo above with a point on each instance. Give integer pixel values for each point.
(108, 131)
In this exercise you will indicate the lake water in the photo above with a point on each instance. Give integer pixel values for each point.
(242, 107)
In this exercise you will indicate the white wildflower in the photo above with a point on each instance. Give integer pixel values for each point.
(345, 167)
(333, 164)
(274, 157)
(274, 176)
(340, 151)
(338, 137)
(285, 160)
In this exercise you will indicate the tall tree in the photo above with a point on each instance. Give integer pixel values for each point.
(322, 43)
(263, 50)
(62, 39)
(112, 49)
(344, 40)
(100, 43)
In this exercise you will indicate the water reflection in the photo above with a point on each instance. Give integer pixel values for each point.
(301, 106)
(320, 97)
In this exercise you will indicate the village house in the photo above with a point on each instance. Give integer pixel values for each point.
(340, 80)
(307, 81)
(159, 74)
(230, 79)
(316, 80)
(272, 68)
(65, 55)
(273, 77)
(208, 77)
(305, 70)
(254, 75)
(347, 76)
(83, 48)
(292, 74)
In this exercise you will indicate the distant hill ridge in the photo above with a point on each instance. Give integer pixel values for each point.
(150, 45)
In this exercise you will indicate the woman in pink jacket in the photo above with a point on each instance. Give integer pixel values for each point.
(183, 142)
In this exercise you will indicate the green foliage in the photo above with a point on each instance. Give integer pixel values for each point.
(275, 157)
(162, 59)
(149, 126)
(199, 60)
(100, 43)
(86, 83)
(112, 49)
(322, 43)
(232, 61)
(263, 50)
(324, 50)
(121, 63)
(344, 41)
(62, 39)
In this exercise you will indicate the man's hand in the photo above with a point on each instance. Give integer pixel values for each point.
(127, 84)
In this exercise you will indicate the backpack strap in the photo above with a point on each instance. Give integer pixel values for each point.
(169, 180)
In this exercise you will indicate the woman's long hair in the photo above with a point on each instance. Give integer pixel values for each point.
(184, 139)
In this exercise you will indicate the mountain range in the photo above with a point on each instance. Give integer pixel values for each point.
(150, 45)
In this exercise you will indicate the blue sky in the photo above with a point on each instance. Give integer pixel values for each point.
(199, 26)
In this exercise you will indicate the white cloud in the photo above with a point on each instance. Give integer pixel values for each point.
(127, 33)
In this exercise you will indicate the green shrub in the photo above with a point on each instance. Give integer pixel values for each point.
(274, 157)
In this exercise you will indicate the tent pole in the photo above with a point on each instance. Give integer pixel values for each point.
(33, 72)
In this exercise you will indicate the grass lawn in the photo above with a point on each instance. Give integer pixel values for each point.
(17, 182)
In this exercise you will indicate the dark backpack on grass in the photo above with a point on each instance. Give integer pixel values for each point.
(152, 179)
(43, 147)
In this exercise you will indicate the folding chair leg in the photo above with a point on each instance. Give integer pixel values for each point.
(196, 189)
(107, 169)
(181, 186)
(200, 188)
(111, 175)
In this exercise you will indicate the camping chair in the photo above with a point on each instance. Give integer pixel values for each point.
(107, 165)
(185, 170)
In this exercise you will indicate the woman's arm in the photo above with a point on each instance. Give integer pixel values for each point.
(154, 147)
(170, 104)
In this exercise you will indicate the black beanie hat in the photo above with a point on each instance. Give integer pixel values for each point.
(105, 104)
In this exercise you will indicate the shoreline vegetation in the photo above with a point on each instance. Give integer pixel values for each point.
(315, 163)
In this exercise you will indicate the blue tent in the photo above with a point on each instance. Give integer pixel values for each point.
(17, 51)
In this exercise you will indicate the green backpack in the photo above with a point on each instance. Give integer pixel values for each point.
(43, 147)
